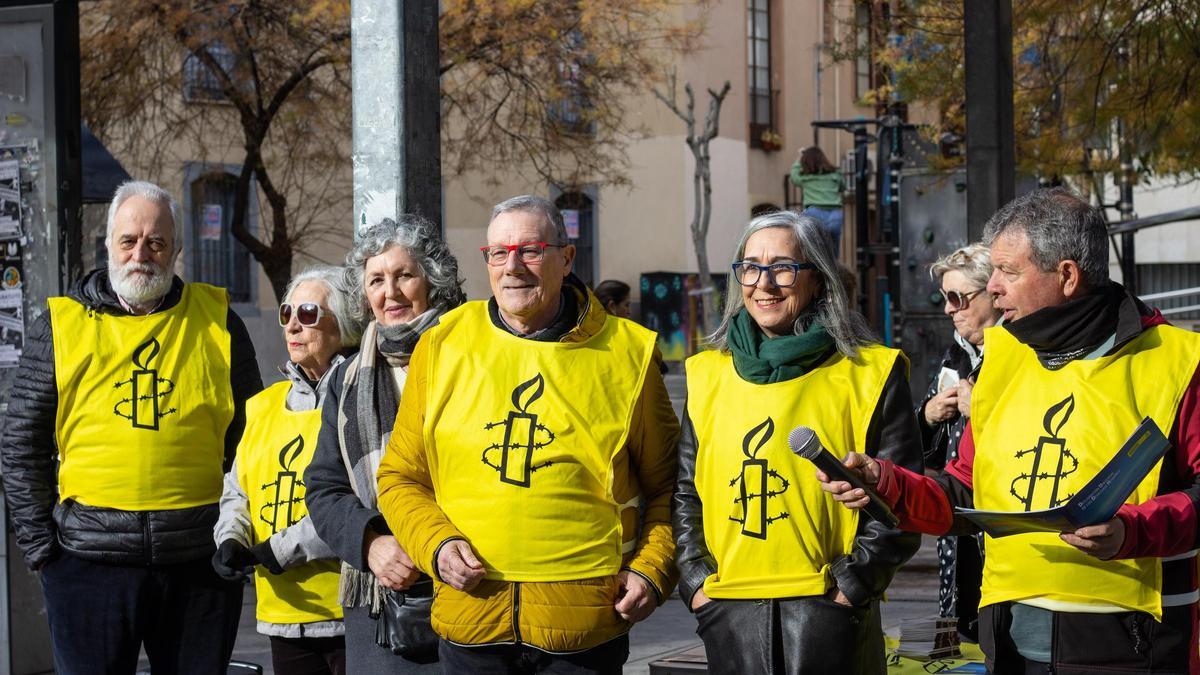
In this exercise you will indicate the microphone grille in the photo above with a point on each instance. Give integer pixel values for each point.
(804, 442)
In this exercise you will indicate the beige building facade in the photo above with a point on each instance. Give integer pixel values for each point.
(782, 77)
(645, 228)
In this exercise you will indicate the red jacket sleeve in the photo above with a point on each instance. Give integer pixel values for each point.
(1166, 525)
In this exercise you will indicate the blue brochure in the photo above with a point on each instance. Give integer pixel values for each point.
(1097, 502)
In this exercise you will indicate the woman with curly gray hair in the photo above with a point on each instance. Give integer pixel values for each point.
(405, 278)
(771, 568)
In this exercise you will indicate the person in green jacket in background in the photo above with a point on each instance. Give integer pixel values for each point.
(822, 187)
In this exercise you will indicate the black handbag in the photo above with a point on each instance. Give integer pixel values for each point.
(403, 627)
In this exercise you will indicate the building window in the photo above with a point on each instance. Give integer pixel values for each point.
(579, 216)
(217, 258)
(199, 81)
(758, 47)
(572, 111)
(862, 49)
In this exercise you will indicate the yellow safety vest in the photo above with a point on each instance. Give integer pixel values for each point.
(1040, 435)
(521, 435)
(143, 402)
(275, 449)
(772, 530)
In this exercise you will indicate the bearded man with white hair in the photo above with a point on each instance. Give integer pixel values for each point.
(127, 407)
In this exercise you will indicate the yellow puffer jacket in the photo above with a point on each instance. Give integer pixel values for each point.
(553, 616)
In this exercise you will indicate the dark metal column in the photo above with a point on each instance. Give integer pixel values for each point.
(987, 26)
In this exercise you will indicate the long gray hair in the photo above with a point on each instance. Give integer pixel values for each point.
(831, 306)
(341, 299)
(424, 243)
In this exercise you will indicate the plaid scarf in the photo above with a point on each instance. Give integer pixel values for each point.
(365, 419)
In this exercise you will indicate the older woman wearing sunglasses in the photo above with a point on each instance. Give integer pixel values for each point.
(779, 579)
(405, 279)
(964, 275)
(263, 525)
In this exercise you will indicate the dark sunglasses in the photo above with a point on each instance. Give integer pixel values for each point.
(307, 313)
(959, 301)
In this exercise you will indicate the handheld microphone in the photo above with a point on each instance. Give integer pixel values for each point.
(804, 442)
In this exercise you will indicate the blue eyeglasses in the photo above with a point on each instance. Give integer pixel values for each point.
(779, 274)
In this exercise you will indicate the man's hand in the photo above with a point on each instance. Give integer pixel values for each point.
(850, 496)
(635, 598)
(942, 406)
(389, 563)
(458, 566)
(1101, 541)
(964, 397)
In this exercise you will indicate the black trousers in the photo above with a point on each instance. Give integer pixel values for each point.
(101, 615)
(1083, 644)
(308, 655)
(604, 659)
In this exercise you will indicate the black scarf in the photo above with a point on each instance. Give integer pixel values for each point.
(1062, 333)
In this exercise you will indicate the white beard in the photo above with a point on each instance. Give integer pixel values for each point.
(139, 289)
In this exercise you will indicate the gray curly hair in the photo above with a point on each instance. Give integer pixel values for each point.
(974, 261)
(341, 299)
(421, 239)
(831, 307)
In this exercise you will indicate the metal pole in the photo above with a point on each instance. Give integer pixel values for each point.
(1125, 180)
(397, 152)
(862, 218)
(987, 28)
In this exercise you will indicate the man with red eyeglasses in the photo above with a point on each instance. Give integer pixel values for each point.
(127, 406)
(531, 425)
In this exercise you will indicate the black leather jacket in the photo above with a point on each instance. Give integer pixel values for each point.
(878, 551)
(28, 457)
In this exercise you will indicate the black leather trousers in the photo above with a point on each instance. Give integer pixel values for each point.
(800, 636)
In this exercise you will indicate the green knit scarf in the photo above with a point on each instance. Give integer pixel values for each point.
(763, 360)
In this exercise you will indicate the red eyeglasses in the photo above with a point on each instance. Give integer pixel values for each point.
(307, 313)
(528, 252)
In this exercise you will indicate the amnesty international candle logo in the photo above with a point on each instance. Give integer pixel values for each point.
(147, 391)
(757, 483)
(1050, 461)
(523, 436)
(282, 509)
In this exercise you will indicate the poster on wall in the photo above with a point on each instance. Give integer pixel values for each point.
(10, 199)
(210, 225)
(12, 328)
(571, 222)
(12, 325)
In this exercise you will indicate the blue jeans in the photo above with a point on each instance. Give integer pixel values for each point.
(831, 218)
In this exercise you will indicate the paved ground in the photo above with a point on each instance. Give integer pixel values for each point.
(671, 629)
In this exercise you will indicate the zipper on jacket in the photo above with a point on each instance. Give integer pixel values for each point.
(516, 620)
(148, 553)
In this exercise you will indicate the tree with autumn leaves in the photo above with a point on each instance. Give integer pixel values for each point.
(1078, 68)
(527, 85)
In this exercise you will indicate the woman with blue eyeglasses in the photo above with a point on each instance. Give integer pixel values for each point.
(779, 579)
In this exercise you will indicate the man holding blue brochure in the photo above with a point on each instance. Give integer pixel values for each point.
(1075, 368)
